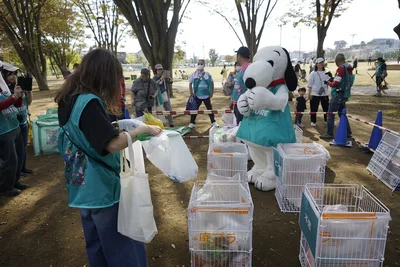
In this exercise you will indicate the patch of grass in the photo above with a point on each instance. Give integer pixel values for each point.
(394, 112)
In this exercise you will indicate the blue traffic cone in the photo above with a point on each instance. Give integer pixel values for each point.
(341, 132)
(376, 134)
(126, 114)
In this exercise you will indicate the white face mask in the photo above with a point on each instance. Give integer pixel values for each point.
(200, 67)
(238, 68)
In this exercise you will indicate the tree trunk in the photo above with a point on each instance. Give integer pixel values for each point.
(41, 81)
(320, 45)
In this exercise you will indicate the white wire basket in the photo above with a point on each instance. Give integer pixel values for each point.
(342, 225)
(220, 217)
(295, 166)
(385, 163)
(228, 159)
(298, 133)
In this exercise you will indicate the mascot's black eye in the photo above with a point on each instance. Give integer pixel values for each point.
(271, 62)
(250, 83)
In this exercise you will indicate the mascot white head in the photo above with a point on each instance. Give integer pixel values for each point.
(264, 105)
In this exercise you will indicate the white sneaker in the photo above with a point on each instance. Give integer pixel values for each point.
(191, 125)
(313, 124)
(214, 124)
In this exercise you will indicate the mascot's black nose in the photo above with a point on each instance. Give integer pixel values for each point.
(250, 83)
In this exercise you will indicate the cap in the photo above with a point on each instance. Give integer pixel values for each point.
(158, 67)
(244, 52)
(319, 60)
(145, 71)
(9, 67)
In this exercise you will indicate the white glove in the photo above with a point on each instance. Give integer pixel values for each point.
(129, 124)
(243, 105)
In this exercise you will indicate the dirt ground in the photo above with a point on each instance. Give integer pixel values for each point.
(37, 228)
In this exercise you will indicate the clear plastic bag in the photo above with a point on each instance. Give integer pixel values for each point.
(169, 153)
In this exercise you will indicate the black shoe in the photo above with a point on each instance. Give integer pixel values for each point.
(171, 126)
(326, 136)
(22, 174)
(28, 171)
(20, 186)
(11, 192)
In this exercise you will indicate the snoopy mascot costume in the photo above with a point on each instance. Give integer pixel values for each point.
(267, 120)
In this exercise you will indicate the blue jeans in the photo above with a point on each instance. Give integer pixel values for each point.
(105, 246)
(336, 106)
(24, 132)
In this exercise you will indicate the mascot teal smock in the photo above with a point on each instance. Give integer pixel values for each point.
(267, 120)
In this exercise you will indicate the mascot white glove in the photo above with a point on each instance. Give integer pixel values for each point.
(243, 105)
(129, 124)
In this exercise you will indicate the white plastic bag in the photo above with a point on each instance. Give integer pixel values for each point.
(169, 153)
(229, 119)
(135, 213)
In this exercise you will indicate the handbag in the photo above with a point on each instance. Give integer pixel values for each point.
(321, 89)
(135, 212)
(191, 104)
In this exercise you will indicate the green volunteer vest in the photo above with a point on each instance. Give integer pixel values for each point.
(8, 117)
(202, 91)
(268, 127)
(23, 111)
(89, 183)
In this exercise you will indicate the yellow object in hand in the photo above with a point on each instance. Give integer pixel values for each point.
(149, 119)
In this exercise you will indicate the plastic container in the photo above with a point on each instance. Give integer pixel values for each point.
(228, 159)
(295, 166)
(45, 134)
(342, 225)
(385, 163)
(220, 219)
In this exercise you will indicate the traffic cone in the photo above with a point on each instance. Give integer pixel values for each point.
(126, 114)
(341, 132)
(376, 134)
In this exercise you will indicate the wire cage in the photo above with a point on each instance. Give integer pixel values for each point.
(385, 163)
(295, 166)
(228, 159)
(220, 217)
(299, 133)
(342, 225)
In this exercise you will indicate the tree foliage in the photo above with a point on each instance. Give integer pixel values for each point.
(319, 14)
(21, 22)
(179, 54)
(63, 35)
(213, 56)
(339, 45)
(155, 24)
(104, 21)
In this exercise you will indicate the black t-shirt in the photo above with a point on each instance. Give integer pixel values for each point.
(93, 123)
(301, 104)
(297, 68)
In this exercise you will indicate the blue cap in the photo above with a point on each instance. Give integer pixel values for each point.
(244, 52)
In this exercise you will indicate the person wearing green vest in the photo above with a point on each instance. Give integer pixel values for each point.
(201, 85)
(11, 147)
(10, 78)
(340, 94)
(90, 146)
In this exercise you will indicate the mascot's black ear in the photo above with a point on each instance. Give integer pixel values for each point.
(290, 75)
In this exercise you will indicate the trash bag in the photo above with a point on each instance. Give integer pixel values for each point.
(169, 153)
